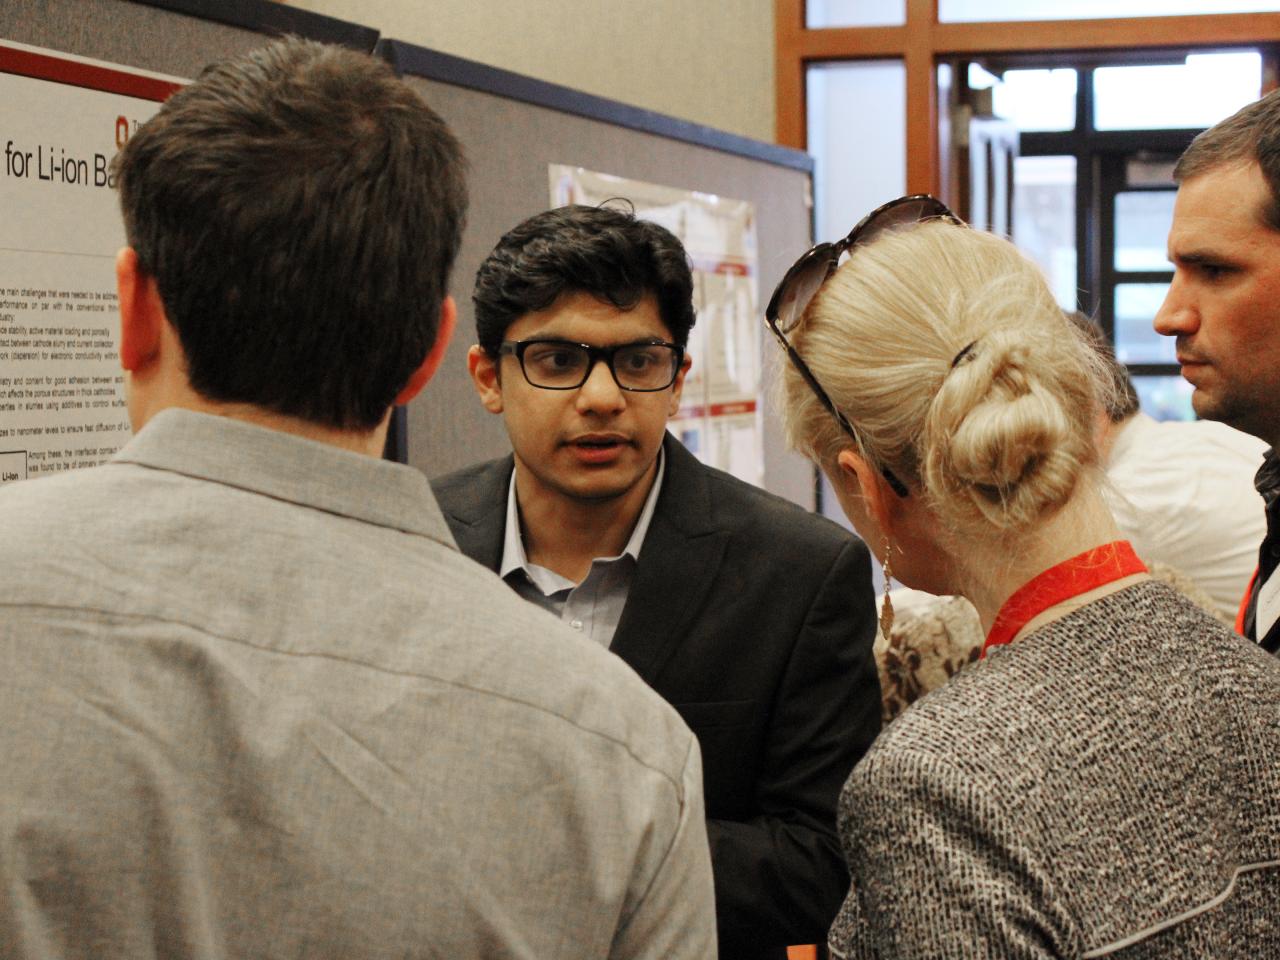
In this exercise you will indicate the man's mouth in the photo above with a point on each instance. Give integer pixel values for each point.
(597, 448)
(1185, 357)
(601, 441)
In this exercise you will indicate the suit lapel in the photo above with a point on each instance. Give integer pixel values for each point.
(679, 559)
(477, 514)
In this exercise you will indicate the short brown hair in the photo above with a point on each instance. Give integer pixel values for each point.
(300, 208)
(1251, 134)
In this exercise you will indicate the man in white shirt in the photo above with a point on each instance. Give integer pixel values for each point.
(1224, 307)
(1182, 492)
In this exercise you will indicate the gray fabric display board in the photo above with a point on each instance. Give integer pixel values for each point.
(513, 127)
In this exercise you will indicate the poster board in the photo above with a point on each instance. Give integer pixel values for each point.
(513, 129)
(62, 400)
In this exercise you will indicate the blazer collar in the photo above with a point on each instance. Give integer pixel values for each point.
(682, 553)
(477, 519)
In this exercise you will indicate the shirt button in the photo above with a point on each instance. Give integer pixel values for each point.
(576, 624)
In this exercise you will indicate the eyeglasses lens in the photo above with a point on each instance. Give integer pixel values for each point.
(909, 211)
(793, 297)
(555, 365)
(802, 288)
(644, 366)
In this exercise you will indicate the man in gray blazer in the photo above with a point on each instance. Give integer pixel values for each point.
(753, 617)
(253, 702)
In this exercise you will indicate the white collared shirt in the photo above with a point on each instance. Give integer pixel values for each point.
(594, 606)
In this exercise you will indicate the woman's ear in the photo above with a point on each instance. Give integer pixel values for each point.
(862, 480)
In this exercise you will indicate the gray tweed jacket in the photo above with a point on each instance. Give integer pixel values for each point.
(1108, 786)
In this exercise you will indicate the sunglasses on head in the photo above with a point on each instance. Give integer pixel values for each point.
(801, 284)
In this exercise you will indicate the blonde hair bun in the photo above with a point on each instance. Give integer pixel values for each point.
(946, 350)
(999, 441)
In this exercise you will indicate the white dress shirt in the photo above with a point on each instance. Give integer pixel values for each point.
(594, 606)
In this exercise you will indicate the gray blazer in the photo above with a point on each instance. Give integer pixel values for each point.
(254, 703)
(1104, 787)
(755, 619)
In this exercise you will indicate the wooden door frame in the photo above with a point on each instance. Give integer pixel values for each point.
(922, 42)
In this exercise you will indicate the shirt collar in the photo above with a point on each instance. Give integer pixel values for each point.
(287, 467)
(513, 553)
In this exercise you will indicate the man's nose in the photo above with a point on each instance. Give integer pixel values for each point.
(600, 392)
(1177, 313)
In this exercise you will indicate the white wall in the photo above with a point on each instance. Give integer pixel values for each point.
(709, 62)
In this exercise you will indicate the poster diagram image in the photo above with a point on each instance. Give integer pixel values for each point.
(62, 404)
(720, 409)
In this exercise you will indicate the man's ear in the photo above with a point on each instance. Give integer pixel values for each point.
(861, 479)
(435, 356)
(142, 314)
(485, 378)
(678, 386)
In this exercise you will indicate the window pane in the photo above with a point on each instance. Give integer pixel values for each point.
(1150, 171)
(852, 105)
(954, 11)
(1037, 99)
(1044, 220)
(857, 135)
(1199, 93)
(1165, 398)
(1136, 340)
(1142, 229)
(855, 13)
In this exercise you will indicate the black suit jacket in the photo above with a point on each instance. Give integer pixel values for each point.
(755, 620)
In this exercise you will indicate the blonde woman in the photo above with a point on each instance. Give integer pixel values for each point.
(1105, 782)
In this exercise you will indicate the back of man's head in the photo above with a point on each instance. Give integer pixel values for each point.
(1120, 399)
(300, 209)
(1251, 135)
(608, 253)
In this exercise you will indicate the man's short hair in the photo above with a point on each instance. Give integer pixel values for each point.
(300, 209)
(1252, 134)
(1120, 400)
(602, 251)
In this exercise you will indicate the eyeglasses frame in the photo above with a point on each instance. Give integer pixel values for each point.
(831, 254)
(517, 348)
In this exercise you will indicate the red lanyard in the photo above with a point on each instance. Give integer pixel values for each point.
(1070, 578)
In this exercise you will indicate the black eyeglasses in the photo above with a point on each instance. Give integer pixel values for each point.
(801, 284)
(642, 367)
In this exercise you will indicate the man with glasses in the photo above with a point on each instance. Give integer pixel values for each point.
(754, 618)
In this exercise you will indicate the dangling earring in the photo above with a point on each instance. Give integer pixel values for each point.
(886, 610)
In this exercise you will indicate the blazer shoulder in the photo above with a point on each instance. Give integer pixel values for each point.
(739, 503)
(472, 488)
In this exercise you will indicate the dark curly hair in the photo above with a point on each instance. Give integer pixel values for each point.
(603, 251)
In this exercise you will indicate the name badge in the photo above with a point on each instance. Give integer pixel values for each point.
(1268, 609)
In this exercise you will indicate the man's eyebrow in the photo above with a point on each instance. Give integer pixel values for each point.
(1194, 258)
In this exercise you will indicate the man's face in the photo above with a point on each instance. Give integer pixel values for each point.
(1224, 302)
(596, 442)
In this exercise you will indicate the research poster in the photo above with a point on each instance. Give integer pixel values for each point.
(61, 388)
(720, 410)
